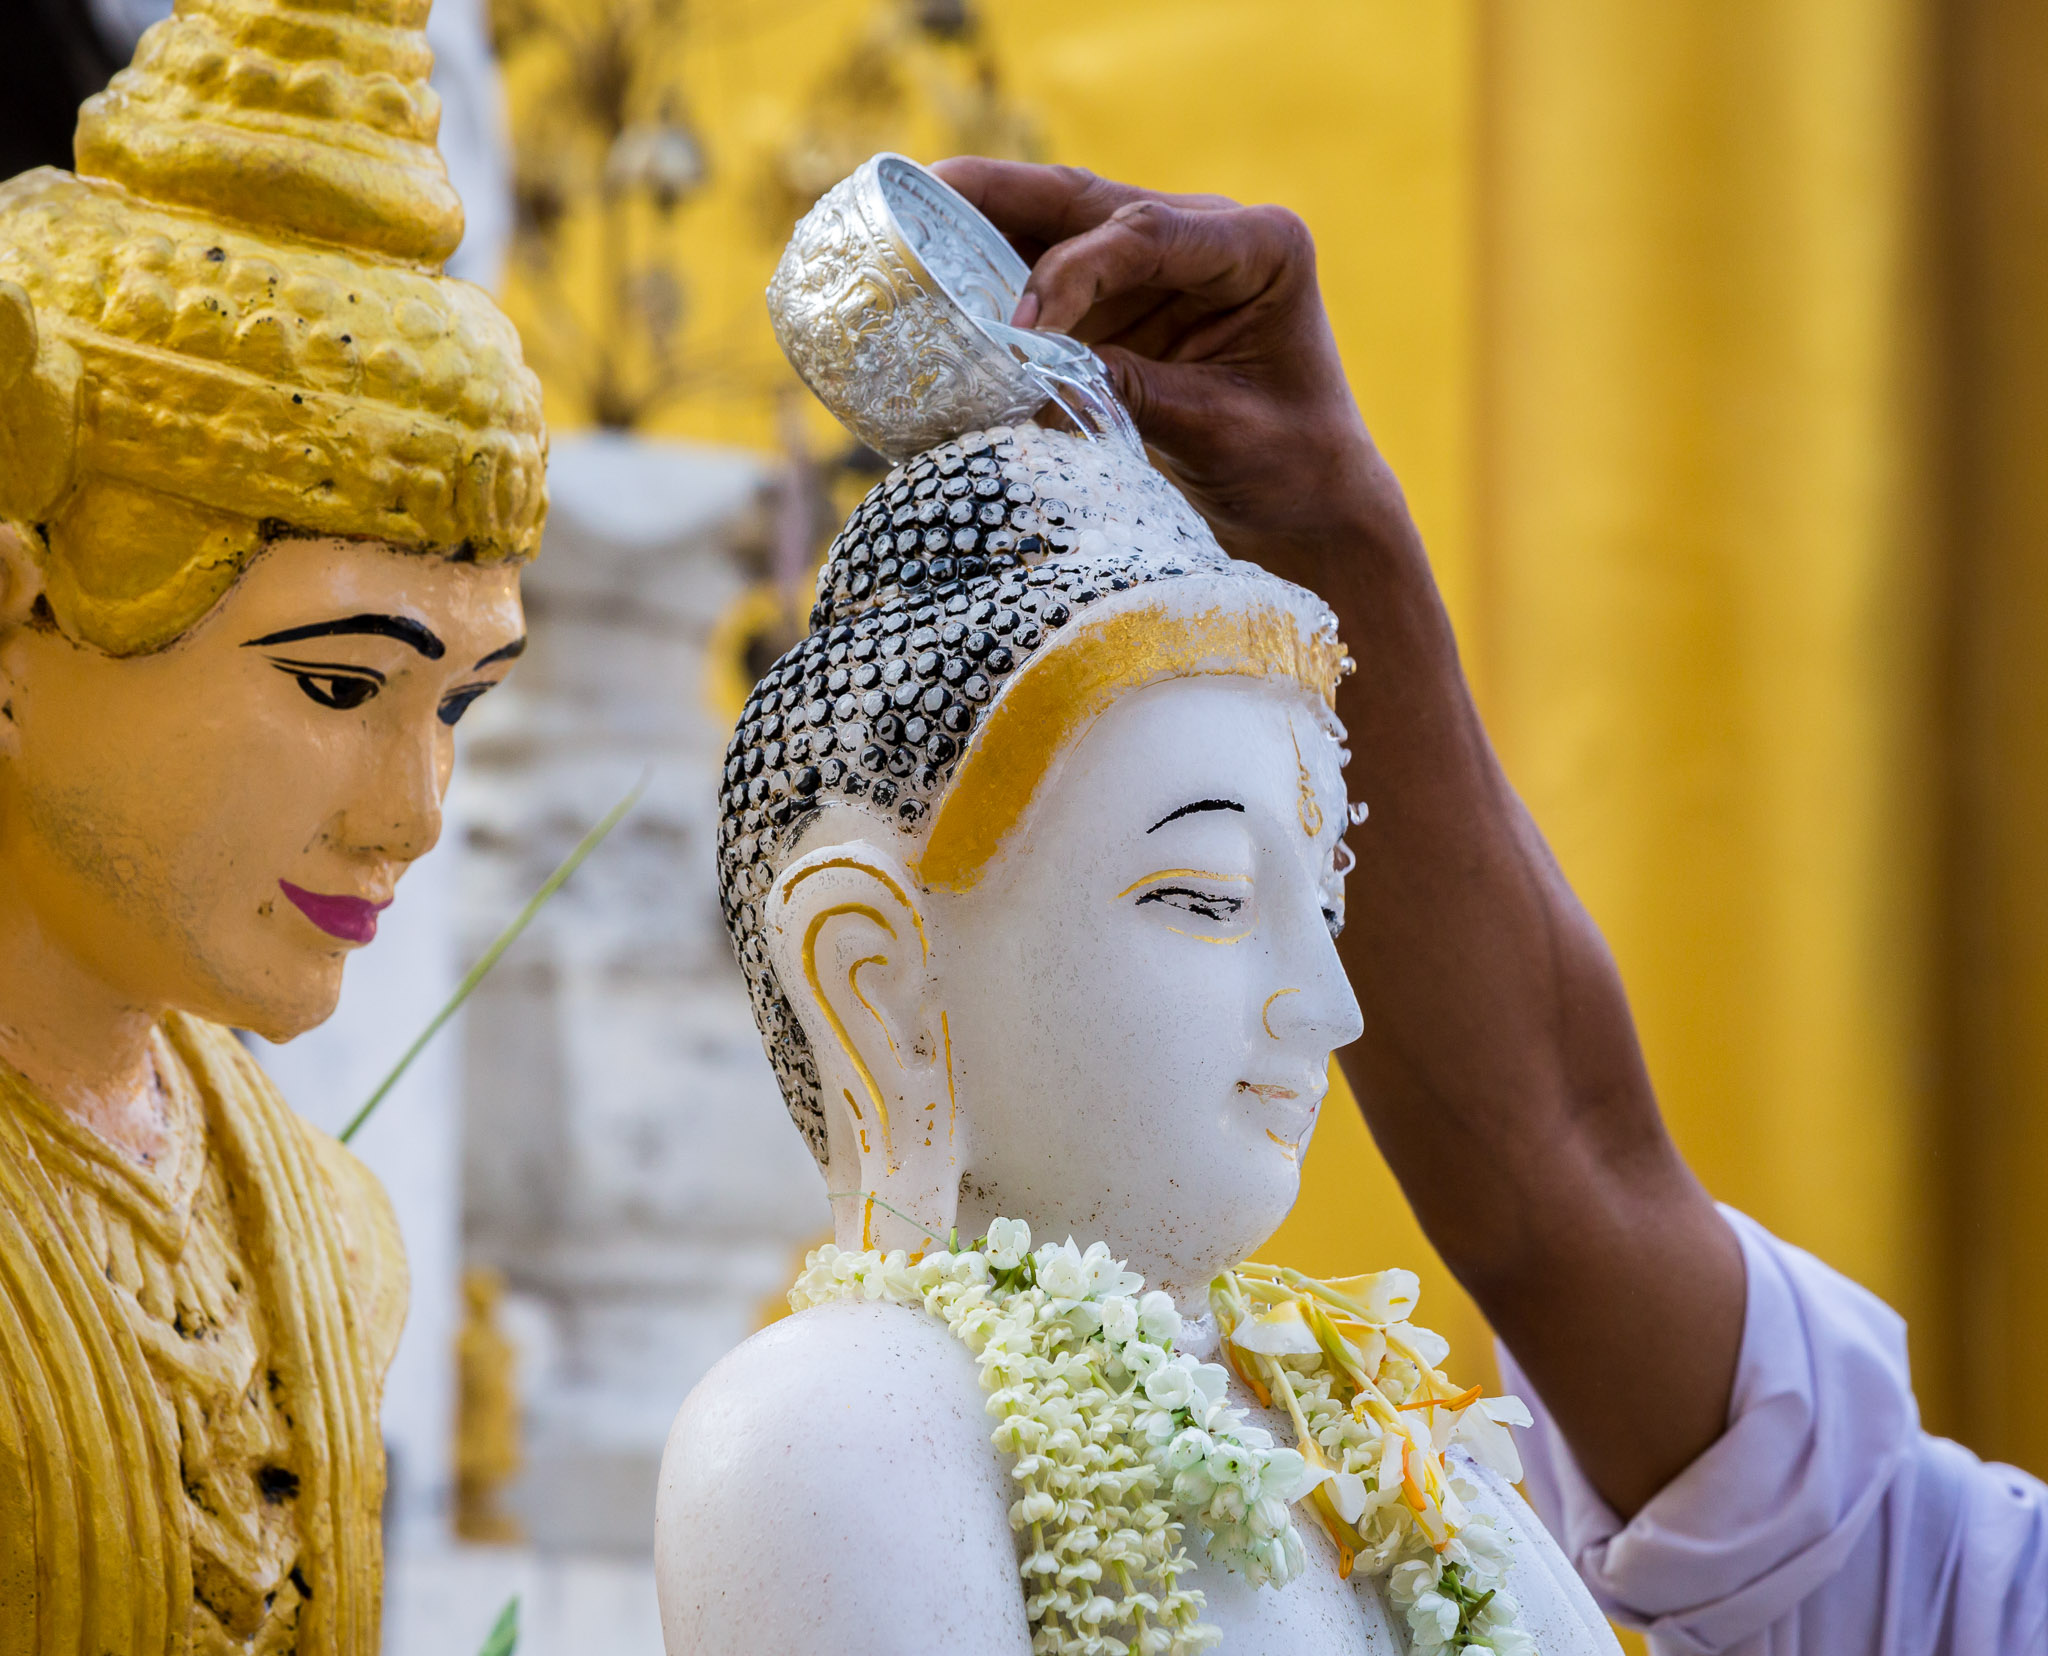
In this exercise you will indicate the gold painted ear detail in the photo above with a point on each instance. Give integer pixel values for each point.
(880, 1044)
(849, 939)
(847, 1045)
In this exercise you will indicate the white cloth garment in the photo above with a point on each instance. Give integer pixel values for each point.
(1824, 1522)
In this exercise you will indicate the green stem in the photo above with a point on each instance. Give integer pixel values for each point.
(886, 1207)
(504, 1637)
(505, 939)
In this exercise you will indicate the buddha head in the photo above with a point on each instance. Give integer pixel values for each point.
(266, 481)
(1031, 855)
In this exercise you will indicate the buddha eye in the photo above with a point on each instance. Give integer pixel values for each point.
(1210, 905)
(335, 687)
(1219, 899)
(460, 702)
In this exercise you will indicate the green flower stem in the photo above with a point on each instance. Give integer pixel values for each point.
(505, 939)
(504, 1637)
(886, 1207)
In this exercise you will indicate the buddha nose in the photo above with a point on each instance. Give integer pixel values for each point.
(1312, 1003)
(398, 814)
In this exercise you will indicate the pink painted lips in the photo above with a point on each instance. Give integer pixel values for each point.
(352, 919)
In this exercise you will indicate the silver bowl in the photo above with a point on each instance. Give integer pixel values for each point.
(893, 301)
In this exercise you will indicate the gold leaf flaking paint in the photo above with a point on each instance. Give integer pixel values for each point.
(102, 1528)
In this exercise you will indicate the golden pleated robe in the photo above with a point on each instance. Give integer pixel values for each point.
(191, 1362)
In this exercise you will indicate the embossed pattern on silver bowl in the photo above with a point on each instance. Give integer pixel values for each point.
(893, 302)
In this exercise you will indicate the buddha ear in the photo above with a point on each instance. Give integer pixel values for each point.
(848, 943)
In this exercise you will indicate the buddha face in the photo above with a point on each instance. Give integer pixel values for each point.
(215, 827)
(1147, 988)
(1123, 1028)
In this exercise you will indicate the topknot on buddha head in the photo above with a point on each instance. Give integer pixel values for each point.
(230, 325)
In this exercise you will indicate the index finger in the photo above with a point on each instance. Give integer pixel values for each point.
(1028, 201)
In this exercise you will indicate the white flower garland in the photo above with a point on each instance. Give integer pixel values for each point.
(1121, 1442)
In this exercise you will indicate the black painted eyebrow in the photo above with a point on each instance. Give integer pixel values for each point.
(510, 652)
(1190, 810)
(401, 627)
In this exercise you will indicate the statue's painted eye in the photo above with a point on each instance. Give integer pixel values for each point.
(1201, 892)
(333, 687)
(459, 703)
(1210, 905)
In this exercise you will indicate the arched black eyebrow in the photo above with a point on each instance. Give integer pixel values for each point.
(1190, 810)
(401, 627)
(511, 652)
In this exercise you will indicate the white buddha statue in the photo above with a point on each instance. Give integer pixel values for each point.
(1032, 856)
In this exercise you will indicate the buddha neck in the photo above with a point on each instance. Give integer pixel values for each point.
(83, 1044)
(1136, 1239)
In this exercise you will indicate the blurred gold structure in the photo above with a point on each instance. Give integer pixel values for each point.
(487, 1424)
(1710, 344)
(663, 151)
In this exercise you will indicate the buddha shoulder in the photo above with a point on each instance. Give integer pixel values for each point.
(835, 1473)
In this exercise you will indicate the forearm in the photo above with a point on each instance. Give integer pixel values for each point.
(1499, 1044)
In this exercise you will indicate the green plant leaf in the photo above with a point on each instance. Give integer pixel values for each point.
(505, 939)
(504, 1637)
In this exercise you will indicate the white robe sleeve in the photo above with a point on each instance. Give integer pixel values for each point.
(1824, 1522)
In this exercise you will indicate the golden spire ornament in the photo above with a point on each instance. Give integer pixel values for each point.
(231, 322)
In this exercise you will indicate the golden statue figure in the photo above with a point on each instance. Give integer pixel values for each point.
(487, 1453)
(266, 480)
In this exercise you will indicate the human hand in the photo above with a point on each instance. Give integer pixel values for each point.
(1210, 321)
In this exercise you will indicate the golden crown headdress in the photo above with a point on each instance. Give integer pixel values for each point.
(231, 322)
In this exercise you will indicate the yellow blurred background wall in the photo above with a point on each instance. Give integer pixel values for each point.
(1710, 339)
